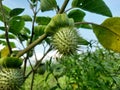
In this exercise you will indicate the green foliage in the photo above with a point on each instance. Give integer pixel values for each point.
(87, 71)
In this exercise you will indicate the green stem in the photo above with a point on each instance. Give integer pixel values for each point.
(63, 6)
(32, 45)
(38, 63)
(6, 26)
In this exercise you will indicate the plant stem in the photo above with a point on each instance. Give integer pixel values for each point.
(32, 34)
(63, 6)
(78, 23)
(6, 27)
(38, 63)
(32, 45)
(32, 81)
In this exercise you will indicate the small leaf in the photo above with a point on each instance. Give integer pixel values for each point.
(24, 34)
(26, 18)
(95, 6)
(10, 36)
(2, 28)
(108, 33)
(43, 20)
(4, 43)
(47, 5)
(5, 52)
(16, 24)
(76, 14)
(83, 41)
(16, 12)
(39, 30)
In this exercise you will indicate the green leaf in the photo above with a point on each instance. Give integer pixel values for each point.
(10, 36)
(24, 34)
(108, 33)
(47, 5)
(83, 41)
(95, 6)
(43, 20)
(76, 14)
(16, 24)
(26, 18)
(2, 28)
(5, 52)
(16, 12)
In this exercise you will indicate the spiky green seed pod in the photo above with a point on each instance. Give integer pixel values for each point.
(11, 79)
(66, 40)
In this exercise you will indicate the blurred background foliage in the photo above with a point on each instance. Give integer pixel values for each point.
(90, 70)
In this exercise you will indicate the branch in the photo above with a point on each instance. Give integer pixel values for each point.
(32, 45)
(78, 23)
(63, 6)
(6, 27)
(38, 63)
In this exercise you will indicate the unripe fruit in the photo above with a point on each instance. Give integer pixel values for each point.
(11, 79)
(65, 41)
(11, 62)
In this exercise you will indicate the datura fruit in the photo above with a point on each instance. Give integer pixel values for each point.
(66, 40)
(11, 62)
(11, 79)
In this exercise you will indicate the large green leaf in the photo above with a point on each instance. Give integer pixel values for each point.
(41, 20)
(16, 11)
(46, 5)
(95, 6)
(108, 33)
(16, 24)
